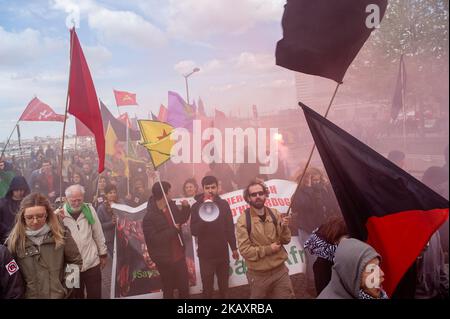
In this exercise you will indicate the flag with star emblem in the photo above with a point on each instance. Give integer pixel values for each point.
(125, 98)
(156, 139)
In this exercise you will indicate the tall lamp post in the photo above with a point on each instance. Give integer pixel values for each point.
(186, 81)
(187, 101)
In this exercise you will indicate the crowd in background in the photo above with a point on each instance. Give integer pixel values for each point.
(70, 219)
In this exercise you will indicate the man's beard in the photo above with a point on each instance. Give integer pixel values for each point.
(257, 204)
(76, 210)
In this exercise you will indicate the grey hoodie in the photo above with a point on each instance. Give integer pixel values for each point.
(350, 259)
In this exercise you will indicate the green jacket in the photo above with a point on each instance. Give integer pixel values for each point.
(43, 268)
(5, 179)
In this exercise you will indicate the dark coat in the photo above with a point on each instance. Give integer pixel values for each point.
(159, 233)
(10, 207)
(213, 237)
(11, 282)
(313, 208)
(109, 228)
(39, 184)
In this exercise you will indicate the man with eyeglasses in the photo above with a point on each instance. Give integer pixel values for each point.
(261, 233)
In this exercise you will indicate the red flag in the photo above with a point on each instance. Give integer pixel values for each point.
(125, 98)
(162, 116)
(81, 129)
(37, 110)
(125, 119)
(83, 102)
(219, 116)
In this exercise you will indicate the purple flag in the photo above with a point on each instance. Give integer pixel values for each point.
(180, 114)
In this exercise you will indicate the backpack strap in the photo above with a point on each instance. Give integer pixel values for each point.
(274, 220)
(248, 221)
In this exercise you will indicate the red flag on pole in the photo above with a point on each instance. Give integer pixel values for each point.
(37, 110)
(162, 115)
(124, 118)
(83, 102)
(125, 98)
(81, 129)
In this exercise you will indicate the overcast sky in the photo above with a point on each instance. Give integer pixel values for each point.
(142, 46)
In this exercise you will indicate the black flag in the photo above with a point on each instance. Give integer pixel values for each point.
(381, 203)
(322, 37)
(400, 87)
(119, 127)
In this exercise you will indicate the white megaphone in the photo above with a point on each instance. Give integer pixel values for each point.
(208, 211)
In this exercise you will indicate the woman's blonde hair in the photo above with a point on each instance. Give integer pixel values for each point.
(17, 237)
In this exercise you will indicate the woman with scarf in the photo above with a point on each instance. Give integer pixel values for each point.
(42, 248)
(322, 244)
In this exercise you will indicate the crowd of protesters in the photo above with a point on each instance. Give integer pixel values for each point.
(69, 220)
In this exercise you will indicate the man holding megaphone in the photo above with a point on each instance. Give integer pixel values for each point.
(212, 224)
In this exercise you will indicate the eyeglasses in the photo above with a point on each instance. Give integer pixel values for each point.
(261, 193)
(37, 217)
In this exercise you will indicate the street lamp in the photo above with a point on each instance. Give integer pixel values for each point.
(186, 81)
(187, 101)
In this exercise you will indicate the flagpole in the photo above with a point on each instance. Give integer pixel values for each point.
(128, 155)
(65, 119)
(20, 149)
(167, 202)
(313, 148)
(402, 80)
(9, 138)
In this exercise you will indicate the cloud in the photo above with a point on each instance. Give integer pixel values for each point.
(98, 55)
(200, 19)
(247, 61)
(125, 27)
(19, 48)
(115, 27)
(209, 67)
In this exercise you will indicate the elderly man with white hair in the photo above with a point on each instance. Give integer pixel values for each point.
(82, 221)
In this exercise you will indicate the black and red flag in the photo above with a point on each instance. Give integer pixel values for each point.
(381, 203)
(322, 37)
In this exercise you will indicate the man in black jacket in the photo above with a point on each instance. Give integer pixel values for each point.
(164, 241)
(213, 239)
(11, 282)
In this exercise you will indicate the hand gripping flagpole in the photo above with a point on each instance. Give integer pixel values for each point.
(312, 149)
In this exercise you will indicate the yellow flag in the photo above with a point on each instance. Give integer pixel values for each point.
(115, 158)
(156, 139)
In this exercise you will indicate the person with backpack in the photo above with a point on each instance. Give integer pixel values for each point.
(261, 233)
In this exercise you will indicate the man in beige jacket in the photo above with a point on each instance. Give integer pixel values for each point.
(82, 221)
(261, 233)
